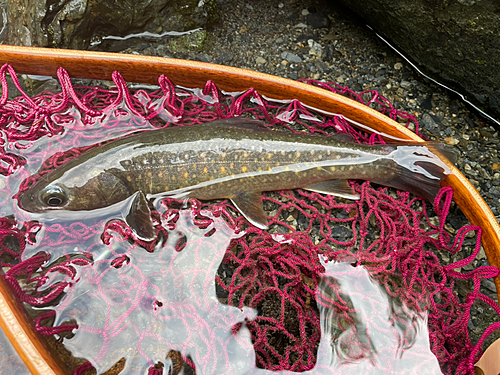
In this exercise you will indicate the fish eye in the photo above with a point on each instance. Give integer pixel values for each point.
(54, 196)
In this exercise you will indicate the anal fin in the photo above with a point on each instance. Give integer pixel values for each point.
(339, 188)
(249, 203)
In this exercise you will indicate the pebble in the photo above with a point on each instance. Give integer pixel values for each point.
(405, 84)
(260, 60)
(315, 48)
(291, 57)
(494, 191)
(301, 25)
(451, 141)
(318, 20)
(398, 66)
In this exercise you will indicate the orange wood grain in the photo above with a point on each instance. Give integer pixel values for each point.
(16, 326)
(147, 69)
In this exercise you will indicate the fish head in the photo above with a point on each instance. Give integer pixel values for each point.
(45, 197)
(84, 193)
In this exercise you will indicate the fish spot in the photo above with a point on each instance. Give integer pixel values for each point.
(129, 178)
(269, 169)
(283, 152)
(245, 155)
(166, 188)
(231, 165)
(186, 175)
(259, 169)
(173, 178)
(312, 152)
(160, 174)
(194, 166)
(194, 176)
(297, 154)
(351, 168)
(277, 163)
(140, 177)
(332, 169)
(233, 175)
(244, 169)
(205, 170)
(223, 170)
(223, 155)
(211, 178)
(319, 168)
(150, 174)
(269, 156)
(212, 161)
(256, 160)
(297, 172)
(252, 176)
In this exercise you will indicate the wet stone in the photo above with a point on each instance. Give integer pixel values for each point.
(291, 57)
(318, 20)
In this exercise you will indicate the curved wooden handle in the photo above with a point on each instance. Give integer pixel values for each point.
(147, 69)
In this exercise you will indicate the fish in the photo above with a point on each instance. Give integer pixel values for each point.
(234, 158)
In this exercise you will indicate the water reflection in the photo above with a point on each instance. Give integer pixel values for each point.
(158, 300)
(378, 335)
(146, 306)
(165, 301)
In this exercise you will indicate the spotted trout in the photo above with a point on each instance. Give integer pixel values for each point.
(233, 158)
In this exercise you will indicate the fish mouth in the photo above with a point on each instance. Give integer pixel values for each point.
(29, 201)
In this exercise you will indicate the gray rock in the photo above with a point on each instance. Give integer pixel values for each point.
(318, 20)
(454, 41)
(78, 23)
(291, 57)
(495, 191)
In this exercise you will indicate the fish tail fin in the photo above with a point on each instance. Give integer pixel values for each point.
(419, 168)
(417, 183)
(440, 148)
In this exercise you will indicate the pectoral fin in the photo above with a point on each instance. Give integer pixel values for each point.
(139, 218)
(339, 188)
(249, 203)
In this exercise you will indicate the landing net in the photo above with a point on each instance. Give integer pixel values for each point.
(275, 286)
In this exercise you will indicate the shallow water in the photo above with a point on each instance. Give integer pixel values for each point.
(141, 302)
(166, 300)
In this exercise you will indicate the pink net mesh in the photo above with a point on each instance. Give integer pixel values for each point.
(394, 236)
